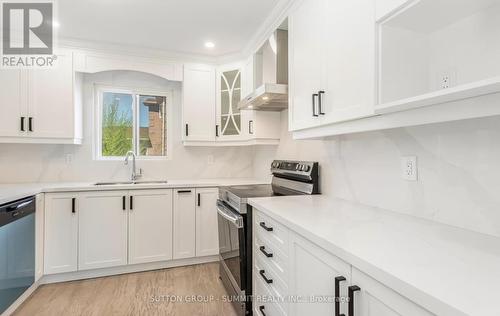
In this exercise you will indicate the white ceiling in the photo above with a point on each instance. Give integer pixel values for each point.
(181, 26)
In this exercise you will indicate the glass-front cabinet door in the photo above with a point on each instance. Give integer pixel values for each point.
(229, 125)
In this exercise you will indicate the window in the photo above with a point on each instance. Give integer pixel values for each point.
(131, 121)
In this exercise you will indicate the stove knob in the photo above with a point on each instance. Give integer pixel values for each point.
(297, 167)
(303, 168)
(307, 168)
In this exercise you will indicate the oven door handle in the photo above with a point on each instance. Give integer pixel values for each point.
(230, 216)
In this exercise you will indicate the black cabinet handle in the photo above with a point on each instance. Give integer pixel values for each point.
(22, 124)
(263, 225)
(199, 199)
(124, 202)
(263, 250)
(73, 205)
(314, 104)
(337, 294)
(131, 202)
(261, 310)
(263, 275)
(250, 127)
(216, 130)
(184, 191)
(187, 129)
(320, 102)
(350, 294)
(30, 124)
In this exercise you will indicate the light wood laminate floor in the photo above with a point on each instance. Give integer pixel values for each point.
(144, 293)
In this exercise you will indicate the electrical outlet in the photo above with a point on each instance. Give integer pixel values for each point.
(69, 159)
(210, 160)
(445, 82)
(409, 169)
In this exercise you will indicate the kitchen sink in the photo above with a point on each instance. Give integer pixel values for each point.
(132, 182)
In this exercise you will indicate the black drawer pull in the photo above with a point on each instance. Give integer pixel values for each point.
(263, 275)
(320, 103)
(314, 104)
(184, 191)
(187, 129)
(263, 225)
(124, 202)
(350, 294)
(199, 199)
(30, 124)
(73, 205)
(263, 250)
(337, 294)
(22, 124)
(261, 310)
(131, 202)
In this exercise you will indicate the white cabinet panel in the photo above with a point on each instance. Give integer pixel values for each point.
(13, 102)
(375, 299)
(61, 233)
(184, 224)
(384, 7)
(207, 239)
(150, 226)
(349, 72)
(198, 103)
(306, 47)
(51, 103)
(312, 274)
(102, 234)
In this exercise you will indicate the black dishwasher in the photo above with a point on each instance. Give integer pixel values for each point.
(17, 249)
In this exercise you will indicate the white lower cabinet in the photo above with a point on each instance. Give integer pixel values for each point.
(102, 233)
(313, 278)
(376, 299)
(207, 238)
(184, 227)
(61, 233)
(150, 226)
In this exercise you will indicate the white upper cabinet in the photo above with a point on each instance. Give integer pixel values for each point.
(198, 103)
(349, 72)
(306, 49)
(150, 226)
(184, 224)
(332, 58)
(207, 238)
(385, 7)
(437, 51)
(103, 229)
(229, 94)
(61, 233)
(42, 105)
(13, 103)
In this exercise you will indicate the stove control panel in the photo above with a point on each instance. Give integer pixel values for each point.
(298, 167)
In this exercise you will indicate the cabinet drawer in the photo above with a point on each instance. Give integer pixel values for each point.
(264, 303)
(268, 253)
(278, 288)
(268, 230)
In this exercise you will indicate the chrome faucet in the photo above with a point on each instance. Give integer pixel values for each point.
(134, 176)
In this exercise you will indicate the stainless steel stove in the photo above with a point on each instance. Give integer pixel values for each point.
(235, 223)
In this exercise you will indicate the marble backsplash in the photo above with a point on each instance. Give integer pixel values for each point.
(458, 165)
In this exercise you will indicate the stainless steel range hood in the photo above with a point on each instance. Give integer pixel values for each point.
(271, 76)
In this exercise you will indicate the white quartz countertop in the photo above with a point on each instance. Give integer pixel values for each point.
(11, 192)
(447, 270)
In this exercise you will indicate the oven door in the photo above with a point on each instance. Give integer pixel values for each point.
(232, 251)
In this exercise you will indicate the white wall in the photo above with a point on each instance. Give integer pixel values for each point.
(42, 163)
(458, 162)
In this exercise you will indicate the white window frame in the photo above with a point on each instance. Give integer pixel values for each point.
(99, 90)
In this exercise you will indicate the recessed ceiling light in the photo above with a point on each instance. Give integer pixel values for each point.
(55, 24)
(209, 44)
(265, 98)
(250, 106)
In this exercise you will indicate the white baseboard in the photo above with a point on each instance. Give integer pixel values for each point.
(97, 273)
